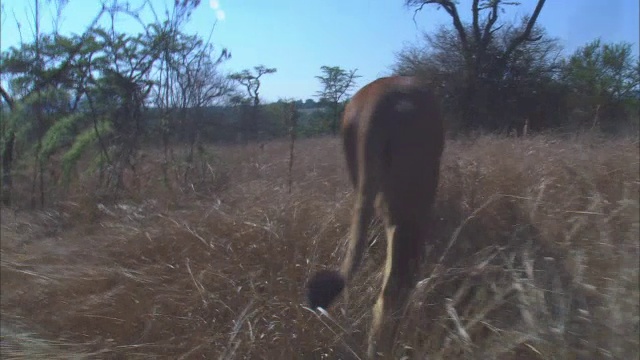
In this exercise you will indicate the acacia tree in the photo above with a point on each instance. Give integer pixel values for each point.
(251, 82)
(94, 89)
(604, 83)
(484, 64)
(43, 78)
(336, 84)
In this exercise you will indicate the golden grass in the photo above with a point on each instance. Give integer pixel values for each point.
(534, 255)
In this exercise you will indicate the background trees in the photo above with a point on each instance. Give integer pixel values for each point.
(336, 84)
(102, 95)
(249, 104)
(479, 62)
(89, 95)
(500, 76)
(602, 83)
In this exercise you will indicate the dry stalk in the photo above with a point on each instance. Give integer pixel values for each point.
(232, 345)
(199, 286)
(322, 312)
(462, 332)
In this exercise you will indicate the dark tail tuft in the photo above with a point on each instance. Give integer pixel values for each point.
(324, 287)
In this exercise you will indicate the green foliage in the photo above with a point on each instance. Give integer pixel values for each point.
(603, 70)
(60, 134)
(8, 122)
(20, 121)
(314, 122)
(60, 84)
(274, 122)
(336, 85)
(62, 61)
(81, 143)
(604, 83)
(23, 119)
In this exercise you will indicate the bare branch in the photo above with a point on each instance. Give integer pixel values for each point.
(450, 7)
(493, 17)
(526, 34)
(476, 26)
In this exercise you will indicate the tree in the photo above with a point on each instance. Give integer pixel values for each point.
(251, 82)
(88, 94)
(336, 84)
(8, 139)
(484, 61)
(604, 82)
(526, 90)
(189, 81)
(309, 103)
(38, 73)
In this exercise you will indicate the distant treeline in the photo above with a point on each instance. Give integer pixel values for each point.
(223, 123)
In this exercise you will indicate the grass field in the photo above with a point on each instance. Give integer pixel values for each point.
(534, 255)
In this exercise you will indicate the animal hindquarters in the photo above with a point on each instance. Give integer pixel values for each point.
(409, 177)
(393, 140)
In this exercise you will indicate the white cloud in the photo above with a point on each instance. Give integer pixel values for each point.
(220, 15)
(215, 4)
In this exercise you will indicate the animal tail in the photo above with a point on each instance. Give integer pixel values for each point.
(326, 285)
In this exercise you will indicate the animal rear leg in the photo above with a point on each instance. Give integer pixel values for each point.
(404, 254)
(362, 214)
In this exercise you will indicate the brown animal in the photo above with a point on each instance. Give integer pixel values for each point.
(393, 141)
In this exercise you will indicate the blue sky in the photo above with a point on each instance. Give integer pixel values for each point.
(298, 37)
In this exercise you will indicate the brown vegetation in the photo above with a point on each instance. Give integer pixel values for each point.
(217, 269)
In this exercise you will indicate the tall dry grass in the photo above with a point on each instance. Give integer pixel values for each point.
(534, 254)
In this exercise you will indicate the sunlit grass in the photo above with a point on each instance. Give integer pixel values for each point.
(534, 255)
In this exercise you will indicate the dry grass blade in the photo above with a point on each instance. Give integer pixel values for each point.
(464, 336)
(233, 344)
(322, 312)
